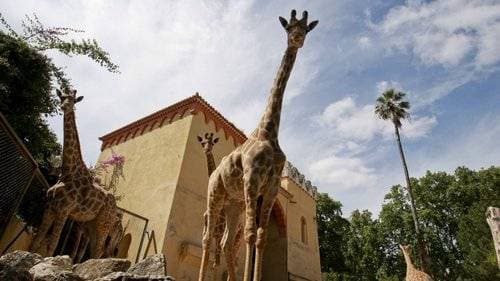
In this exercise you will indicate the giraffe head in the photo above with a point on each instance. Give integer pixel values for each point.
(207, 142)
(297, 29)
(68, 99)
(406, 249)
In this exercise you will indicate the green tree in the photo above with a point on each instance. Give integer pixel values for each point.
(27, 76)
(451, 208)
(332, 228)
(392, 106)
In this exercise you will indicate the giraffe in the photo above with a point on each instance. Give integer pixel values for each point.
(252, 172)
(75, 195)
(207, 142)
(493, 220)
(412, 273)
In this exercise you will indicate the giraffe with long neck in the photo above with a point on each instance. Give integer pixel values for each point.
(75, 195)
(253, 171)
(412, 273)
(207, 143)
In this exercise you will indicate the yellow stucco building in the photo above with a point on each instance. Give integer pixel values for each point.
(164, 186)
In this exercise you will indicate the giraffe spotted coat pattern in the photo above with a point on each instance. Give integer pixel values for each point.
(252, 172)
(75, 196)
(412, 273)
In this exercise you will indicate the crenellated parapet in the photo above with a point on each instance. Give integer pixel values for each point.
(291, 172)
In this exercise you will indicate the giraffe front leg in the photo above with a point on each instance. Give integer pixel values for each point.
(47, 221)
(251, 186)
(82, 248)
(54, 236)
(265, 212)
(233, 212)
(214, 207)
(76, 244)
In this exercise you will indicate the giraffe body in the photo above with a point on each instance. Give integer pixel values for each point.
(253, 171)
(75, 196)
(412, 273)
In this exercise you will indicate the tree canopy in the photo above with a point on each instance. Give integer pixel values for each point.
(452, 214)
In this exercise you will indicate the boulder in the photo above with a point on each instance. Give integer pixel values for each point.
(125, 276)
(54, 269)
(152, 265)
(21, 259)
(11, 273)
(95, 268)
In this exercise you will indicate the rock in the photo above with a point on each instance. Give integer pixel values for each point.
(11, 273)
(115, 276)
(54, 269)
(125, 276)
(95, 268)
(152, 265)
(21, 259)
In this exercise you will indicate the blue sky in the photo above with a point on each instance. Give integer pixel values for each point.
(444, 54)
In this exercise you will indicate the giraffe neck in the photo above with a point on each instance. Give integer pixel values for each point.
(270, 121)
(72, 161)
(409, 263)
(210, 163)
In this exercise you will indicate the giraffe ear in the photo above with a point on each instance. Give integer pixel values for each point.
(312, 25)
(283, 21)
(216, 140)
(199, 139)
(79, 99)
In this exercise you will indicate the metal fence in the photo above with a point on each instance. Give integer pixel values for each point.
(18, 172)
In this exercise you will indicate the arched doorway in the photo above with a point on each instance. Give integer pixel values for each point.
(275, 255)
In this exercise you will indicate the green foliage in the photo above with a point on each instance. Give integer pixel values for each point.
(26, 80)
(391, 106)
(452, 214)
(25, 97)
(331, 231)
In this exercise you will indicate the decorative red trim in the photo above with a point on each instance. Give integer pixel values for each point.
(193, 105)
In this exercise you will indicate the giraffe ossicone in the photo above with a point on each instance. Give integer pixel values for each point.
(252, 171)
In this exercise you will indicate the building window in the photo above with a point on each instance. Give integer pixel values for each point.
(303, 230)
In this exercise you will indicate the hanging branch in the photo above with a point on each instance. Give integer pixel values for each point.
(43, 38)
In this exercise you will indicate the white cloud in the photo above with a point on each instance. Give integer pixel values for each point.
(339, 173)
(167, 51)
(445, 32)
(349, 121)
(365, 42)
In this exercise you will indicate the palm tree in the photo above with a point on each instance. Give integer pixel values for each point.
(392, 106)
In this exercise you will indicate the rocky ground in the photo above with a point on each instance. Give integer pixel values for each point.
(26, 266)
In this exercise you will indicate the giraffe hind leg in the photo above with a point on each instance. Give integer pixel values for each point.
(265, 212)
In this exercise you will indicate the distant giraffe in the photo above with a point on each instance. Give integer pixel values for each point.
(207, 143)
(493, 219)
(253, 170)
(74, 196)
(412, 273)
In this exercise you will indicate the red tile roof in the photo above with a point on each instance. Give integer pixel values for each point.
(193, 105)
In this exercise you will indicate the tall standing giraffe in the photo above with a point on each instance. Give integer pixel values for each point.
(75, 195)
(253, 170)
(412, 273)
(207, 143)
